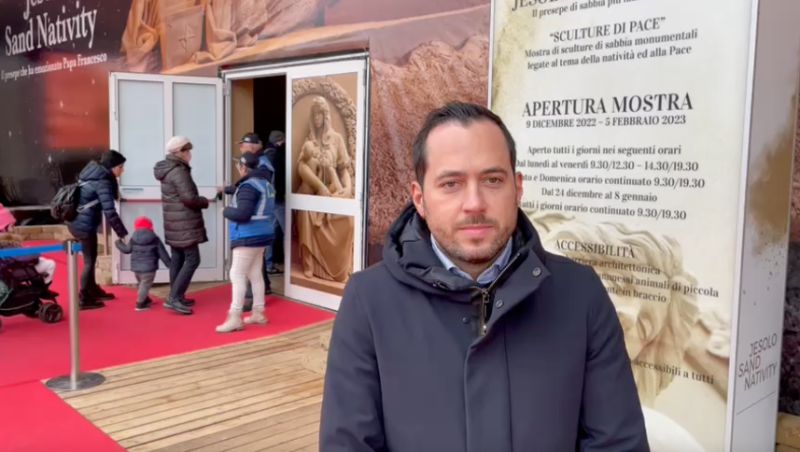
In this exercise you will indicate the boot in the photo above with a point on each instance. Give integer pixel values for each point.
(257, 317)
(177, 306)
(101, 294)
(232, 323)
(89, 302)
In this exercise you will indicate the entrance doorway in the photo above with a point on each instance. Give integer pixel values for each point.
(320, 105)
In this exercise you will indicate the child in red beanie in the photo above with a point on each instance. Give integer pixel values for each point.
(145, 248)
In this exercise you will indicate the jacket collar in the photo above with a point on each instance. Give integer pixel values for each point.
(257, 173)
(410, 258)
(178, 161)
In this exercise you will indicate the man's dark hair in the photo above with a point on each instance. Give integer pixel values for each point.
(464, 114)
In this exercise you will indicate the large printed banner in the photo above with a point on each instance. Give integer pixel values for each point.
(628, 117)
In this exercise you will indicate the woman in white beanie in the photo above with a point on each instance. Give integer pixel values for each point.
(184, 229)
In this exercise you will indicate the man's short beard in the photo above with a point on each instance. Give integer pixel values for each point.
(471, 258)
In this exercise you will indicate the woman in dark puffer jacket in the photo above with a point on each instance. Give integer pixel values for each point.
(184, 229)
(98, 192)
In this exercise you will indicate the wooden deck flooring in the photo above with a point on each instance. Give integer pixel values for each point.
(259, 395)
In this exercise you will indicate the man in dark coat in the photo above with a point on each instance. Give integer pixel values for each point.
(276, 153)
(98, 192)
(184, 228)
(469, 336)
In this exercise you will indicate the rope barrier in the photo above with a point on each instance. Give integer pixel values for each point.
(19, 252)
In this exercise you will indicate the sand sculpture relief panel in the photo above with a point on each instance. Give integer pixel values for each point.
(323, 162)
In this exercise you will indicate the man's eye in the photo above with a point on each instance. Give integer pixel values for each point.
(449, 184)
(494, 180)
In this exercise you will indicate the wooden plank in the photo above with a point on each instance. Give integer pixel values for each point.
(144, 377)
(233, 433)
(220, 412)
(788, 433)
(149, 444)
(197, 379)
(282, 437)
(300, 443)
(312, 448)
(147, 400)
(286, 424)
(199, 401)
(783, 448)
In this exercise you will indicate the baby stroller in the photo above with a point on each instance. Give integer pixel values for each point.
(23, 291)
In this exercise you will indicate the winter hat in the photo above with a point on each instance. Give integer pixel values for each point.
(249, 160)
(275, 136)
(6, 218)
(143, 223)
(112, 159)
(176, 143)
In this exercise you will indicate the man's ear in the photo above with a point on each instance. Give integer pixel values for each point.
(416, 198)
(518, 183)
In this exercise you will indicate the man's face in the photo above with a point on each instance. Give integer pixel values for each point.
(470, 193)
(249, 148)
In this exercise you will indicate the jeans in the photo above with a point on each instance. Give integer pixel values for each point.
(145, 281)
(89, 250)
(184, 263)
(246, 267)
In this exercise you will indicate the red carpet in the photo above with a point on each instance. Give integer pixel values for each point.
(117, 334)
(35, 420)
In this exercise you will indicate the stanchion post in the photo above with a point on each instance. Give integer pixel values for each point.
(74, 308)
(75, 380)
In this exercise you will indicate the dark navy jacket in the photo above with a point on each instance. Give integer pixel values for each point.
(99, 189)
(409, 370)
(145, 249)
(247, 201)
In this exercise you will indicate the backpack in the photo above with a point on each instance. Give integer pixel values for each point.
(65, 204)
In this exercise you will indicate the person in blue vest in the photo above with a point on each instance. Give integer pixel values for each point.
(252, 144)
(251, 217)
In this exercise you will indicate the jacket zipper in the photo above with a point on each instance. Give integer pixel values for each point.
(486, 296)
(485, 300)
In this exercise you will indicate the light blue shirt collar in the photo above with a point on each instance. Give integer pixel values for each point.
(484, 279)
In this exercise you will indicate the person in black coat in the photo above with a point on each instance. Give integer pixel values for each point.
(146, 249)
(98, 192)
(469, 335)
(184, 227)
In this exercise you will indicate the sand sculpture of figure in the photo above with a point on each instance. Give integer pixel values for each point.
(326, 240)
(140, 38)
(179, 25)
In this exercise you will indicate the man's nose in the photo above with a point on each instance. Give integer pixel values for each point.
(474, 198)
